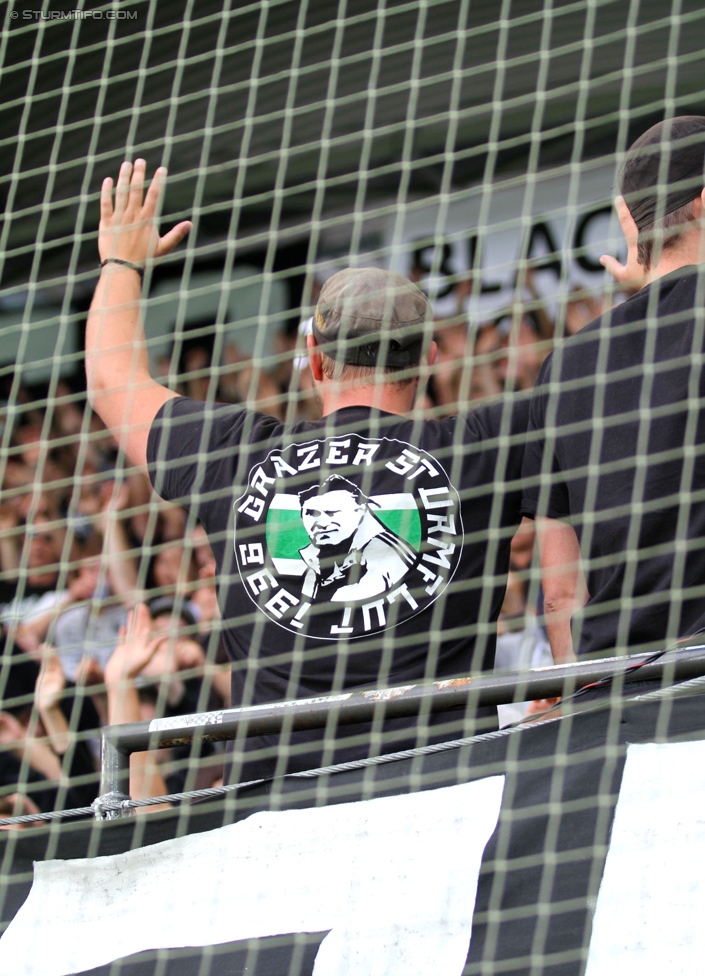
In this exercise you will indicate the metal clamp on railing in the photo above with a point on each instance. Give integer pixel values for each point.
(111, 806)
(118, 742)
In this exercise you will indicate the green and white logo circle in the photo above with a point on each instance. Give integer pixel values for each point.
(343, 537)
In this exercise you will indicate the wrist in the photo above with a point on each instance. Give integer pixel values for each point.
(121, 263)
(49, 706)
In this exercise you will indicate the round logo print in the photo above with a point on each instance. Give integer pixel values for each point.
(344, 537)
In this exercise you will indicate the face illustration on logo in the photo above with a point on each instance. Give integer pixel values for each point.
(331, 517)
(352, 555)
(343, 537)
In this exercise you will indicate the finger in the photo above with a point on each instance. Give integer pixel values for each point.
(143, 619)
(106, 199)
(172, 238)
(137, 181)
(156, 188)
(614, 267)
(154, 645)
(626, 221)
(132, 629)
(122, 188)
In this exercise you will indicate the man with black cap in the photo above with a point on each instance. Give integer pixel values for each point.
(615, 462)
(362, 550)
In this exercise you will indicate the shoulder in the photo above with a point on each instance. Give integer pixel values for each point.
(576, 355)
(189, 423)
(182, 411)
(682, 289)
(500, 417)
(193, 443)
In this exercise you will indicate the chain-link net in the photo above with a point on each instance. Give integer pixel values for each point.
(473, 147)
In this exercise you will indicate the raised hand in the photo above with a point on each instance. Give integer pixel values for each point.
(137, 647)
(128, 226)
(631, 275)
(51, 681)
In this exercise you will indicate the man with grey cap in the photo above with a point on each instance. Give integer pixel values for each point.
(615, 462)
(353, 551)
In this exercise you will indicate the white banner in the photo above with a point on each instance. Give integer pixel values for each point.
(392, 880)
(648, 918)
(559, 220)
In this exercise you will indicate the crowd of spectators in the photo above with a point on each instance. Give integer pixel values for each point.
(91, 563)
(108, 609)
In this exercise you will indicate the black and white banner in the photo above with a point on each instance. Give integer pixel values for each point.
(576, 847)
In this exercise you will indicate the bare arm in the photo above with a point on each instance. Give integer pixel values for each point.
(122, 565)
(29, 748)
(120, 386)
(128, 660)
(47, 696)
(564, 587)
(31, 633)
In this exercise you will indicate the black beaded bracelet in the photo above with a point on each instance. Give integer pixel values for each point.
(127, 264)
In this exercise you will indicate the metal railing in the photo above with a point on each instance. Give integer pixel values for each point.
(118, 742)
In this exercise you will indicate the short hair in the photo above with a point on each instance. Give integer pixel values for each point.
(661, 175)
(336, 482)
(668, 230)
(340, 372)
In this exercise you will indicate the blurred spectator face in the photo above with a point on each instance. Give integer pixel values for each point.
(86, 579)
(583, 309)
(44, 506)
(451, 361)
(29, 438)
(520, 367)
(89, 502)
(101, 445)
(165, 624)
(197, 359)
(168, 569)
(17, 476)
(93, 491)
(204, 595)
(172, 523)
(45, 546)
(68, 416)
(203, 554)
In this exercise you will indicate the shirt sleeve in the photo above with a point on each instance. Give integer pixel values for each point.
(500, 425)
(504, 421)
(183, 443)
(544, 489)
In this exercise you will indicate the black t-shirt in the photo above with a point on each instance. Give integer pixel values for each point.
(616, 445)
(362, 550)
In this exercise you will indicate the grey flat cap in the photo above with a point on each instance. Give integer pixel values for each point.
(371, 317)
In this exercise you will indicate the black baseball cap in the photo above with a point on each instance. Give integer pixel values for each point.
(663, 169)
(371, 317)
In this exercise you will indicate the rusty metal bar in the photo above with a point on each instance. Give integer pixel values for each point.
(118, 742)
